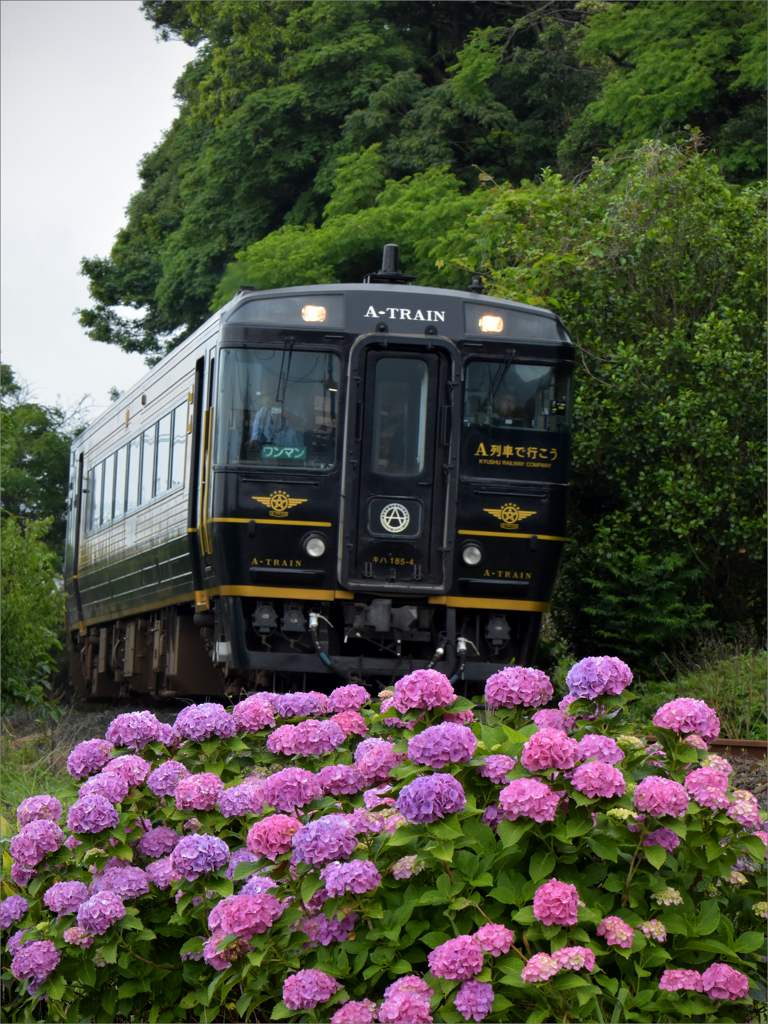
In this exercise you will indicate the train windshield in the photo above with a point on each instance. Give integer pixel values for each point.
(277, 407)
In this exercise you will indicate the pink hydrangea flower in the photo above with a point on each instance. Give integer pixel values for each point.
(162, 873)
(35, 840)
(299, 704)
(744, 809)
(654, 929)
(35, 961)
(686, 715)
(598, 779)
(244, 915)
(78, 936)
(720, 764)
(412, 984)
(496, 766)
(547, 749)
(272, 836)
(134, 769)
(406, 867)
(540, 967)
(110, 785)
(281, 740)
(596, 677)
(723, 982)
(312, 738)
(38, 808)
(134, 730)
(574, 958)
(198, 792)
(291, 788)
(340, 779)
(713, 799)
(431, 797)
(549, 718)
(474, 1000)
(88, 757)
(677, 979)
(556, 903)
(253, 714)
(100, 912)
(164, 780)
(375, 759)
(350, 723)
(693, 740)
(495, 938)
(405, 1008)
(528, 798)
(356, 1012)
(423, 689)
(347, 698)
(442, 744)
(616, 932)
(457, 959)
(200, 722)
(659, 796)
(705, 778)
(308, 988)
(65, 897)
(593, 746)
(330, 838)
(220, 959)
(460, 717)
(516, 685)
(356, 876)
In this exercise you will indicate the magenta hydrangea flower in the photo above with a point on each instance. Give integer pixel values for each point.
(616, 932)
(593, 746)
(676, 979)
(291, 788)
(405, 1007)
(596, 677)
(65, 897)
(556, 903)
(596, 778)
(13, 909)
(663, 837)
(220, 959)
(574, 958)
(688, 715)
(540, 967)
(496, 766)
(356, 1012)
(100, 912)
(528, 798)
(247, 798)
(281, 740)
(253, 714)
(88, 757)
(547, 749)
(549, 718)
(410, 984)
(356, 876)
(162, 873)
(273, 835)
(423, 689)
(326, 839)
(442, 744)
(158, 841)
(198, 792)
(374, 797)
(319, 929)
(197, 854)
(347, 698)
(244, 915)
(457, 959)
(431, 797)
(202, 721)
(91, 813)
(134, 730)
(654, 929)
(705, 778)
(375, 759)
(474, 1000)
(110, 785)
(495, 938)
(35, 961)
(34, 841)
(516, 685)
(350, 722)
(460, 717)
(713, 799)
(164, 780)
(128, 881)
(312, 738)
(340, 779)
(658, 796)
(720, 981)
(308, 988)
(298, 705)
(38, 808)
(134, 769)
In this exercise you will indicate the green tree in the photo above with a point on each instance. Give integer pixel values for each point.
(658, 268)
(32, 613)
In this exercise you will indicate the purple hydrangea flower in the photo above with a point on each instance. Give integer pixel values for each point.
(457, 959)
(312, 738)
(162, 873)
(319, 929)
(347, 698)
(556, 903)
(38, 808)
(198, 792)
(134, 769)
(492, 815)
(547, 749)
(110, 785)
(375, 759)
(598, 779)
(528, 798)
(442, 744)
(22, 876)
(36, 961)
(247, 798)
(197, 854)
(597, 677)
(91, 813)
(241, 856)
(357, 876)
(496, 766)
(593, 746)
(158, 841)
(658, 796)
(291, 788)
(13, 909)
(326, 839)
(686, 715)
(474, 1000)
(88, 757)
(662, 837)
(340, 779)
(308, 988)
(298, 705)
(65, 897)
(164, 780)
(34, 841)
(423, 689)
(431, 797)
(273, 835)
(100, 912)
(201, 721)
(168, 736)
(253, 714)
(14, 941)
(127, 881)
(134, 730)
(517, 685)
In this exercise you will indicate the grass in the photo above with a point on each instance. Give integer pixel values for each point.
(27, 771)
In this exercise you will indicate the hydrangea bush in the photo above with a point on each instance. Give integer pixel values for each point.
(417, 858)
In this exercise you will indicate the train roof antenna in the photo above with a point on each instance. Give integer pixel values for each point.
(390, 268)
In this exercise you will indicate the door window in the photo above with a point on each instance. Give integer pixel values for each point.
(399, 417)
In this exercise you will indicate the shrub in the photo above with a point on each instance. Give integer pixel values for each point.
(548, 877)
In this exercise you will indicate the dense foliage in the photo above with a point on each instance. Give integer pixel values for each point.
(396, 861)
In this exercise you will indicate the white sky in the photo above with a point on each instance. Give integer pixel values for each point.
(86, 91)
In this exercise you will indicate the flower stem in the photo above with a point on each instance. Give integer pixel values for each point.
(625, 895)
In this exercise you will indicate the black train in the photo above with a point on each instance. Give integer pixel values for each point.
(324, 483)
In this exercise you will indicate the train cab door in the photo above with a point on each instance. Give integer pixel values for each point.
(398, 494)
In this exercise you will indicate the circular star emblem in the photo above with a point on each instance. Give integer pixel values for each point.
(510, 514)
(395, 517)
(278, 501)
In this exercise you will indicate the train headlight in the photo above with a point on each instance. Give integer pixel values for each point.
(491, 324)
(472, 554)
(314, 546)
(313, 314)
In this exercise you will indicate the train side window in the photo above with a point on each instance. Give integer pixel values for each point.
(96, 479)
(134, 467)
(399, 417)
(120, 480)
(179, 443)
(109, 489)
(163, 454)
(147, 464)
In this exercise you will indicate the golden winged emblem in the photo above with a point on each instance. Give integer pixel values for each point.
(279, 502)
(510, 515)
